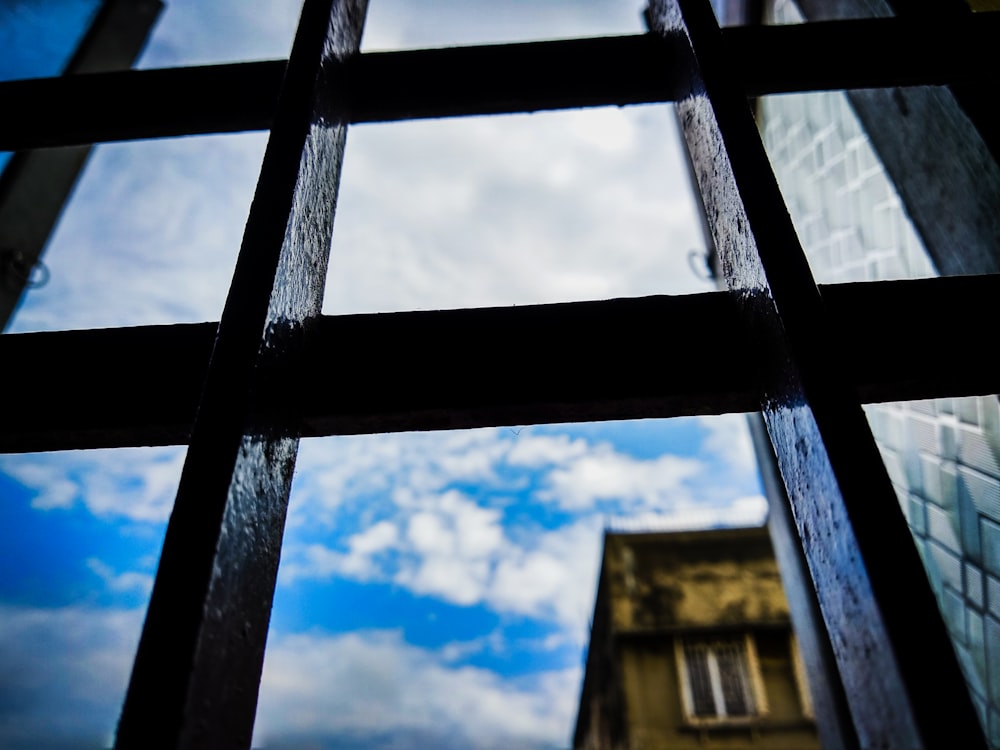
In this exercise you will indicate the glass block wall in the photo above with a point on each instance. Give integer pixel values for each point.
(943, 456)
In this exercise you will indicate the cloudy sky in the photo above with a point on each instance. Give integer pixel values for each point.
(434, 587)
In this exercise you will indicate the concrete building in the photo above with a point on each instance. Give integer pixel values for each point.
(691, 644)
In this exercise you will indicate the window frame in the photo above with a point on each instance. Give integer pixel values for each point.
(801, 677)
(756, 692)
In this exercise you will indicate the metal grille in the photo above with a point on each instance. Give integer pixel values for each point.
(808, 358)
(700, 680)
(718, 679)
(733, 678)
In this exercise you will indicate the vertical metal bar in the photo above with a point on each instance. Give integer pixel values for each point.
(833, 719)
(833, 722)
(899, 669)
(195, 677)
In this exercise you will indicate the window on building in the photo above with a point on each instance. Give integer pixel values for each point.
(720, 678)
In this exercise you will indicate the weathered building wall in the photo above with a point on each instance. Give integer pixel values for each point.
(711, 590)
(694, 581)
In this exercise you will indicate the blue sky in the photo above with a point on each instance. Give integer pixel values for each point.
(434, 587)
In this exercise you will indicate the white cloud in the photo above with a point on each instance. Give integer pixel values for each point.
(138, 484)
(358, 563)
(729, 440)
(395, 23)
(190, 32)
(318, 561)
(457, 543)
(433, 215)
(604, 475)
(120, 582)
(531, 580)
(419, 531)
(428, 534)
(63, 673)
(374, 539)
(412, 470)
(54, 489)
(535, 451)
(398, 469)
(608, 129)
(458, 581)
(150, 236)
(552, 579)
(460, 552)
(458, 650)
(742, 511)
(409, 523)
(318, 685)
(748, 511)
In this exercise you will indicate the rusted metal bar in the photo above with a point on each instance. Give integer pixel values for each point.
(898, 668)
(195, 676)
(495, 79)
(533, 364)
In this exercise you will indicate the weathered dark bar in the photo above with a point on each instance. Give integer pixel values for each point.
(861, 53)
(135, 104)
(129, 386)
(588, 361)
(196, 674)
(896, 662)
(830, 704)
(241, 392)
(494, 79)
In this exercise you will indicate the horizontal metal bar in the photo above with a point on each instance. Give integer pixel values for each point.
(123, 386)
(618, 359)
(864, 53)
(912, 314)
(494, 79)
(136, 104)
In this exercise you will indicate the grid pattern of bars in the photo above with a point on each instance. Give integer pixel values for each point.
(194, 680)
(942, 455)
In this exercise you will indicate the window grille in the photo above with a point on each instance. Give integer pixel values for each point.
(718, 679)
(773, 342)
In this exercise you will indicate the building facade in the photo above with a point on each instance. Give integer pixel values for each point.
(691, 644)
